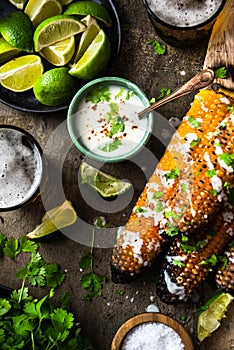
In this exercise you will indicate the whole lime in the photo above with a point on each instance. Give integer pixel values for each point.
(55, 87)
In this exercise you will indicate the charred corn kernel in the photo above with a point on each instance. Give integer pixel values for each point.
(188, 262)
(225, 274)
(184, 190)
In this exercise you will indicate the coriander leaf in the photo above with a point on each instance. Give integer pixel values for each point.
(5, 306)
(23, 294)
(54, 275)
(37, 276)
(112, 146)
(223, 260)
(129, 94)
(230, 108)
(172, 174)
(158, 206)
(194, 122)
(159, 48)
(22, 325)
(210, 173)
(228, 159)
(117, 126)
(213, 260)
(184, 187)
(2, 336)
(86, 261)
(214, 192)
(3, 240)
(163, 93)
(93, 283)
(11, 248)
(220, 73)
(27, 245)
(140, 210)
(194, 143)
(172, 230)
(62, 321)
(120, 93)
(178, 263)
(65, 301)
(157, 195)
(99, 95)
(33, 309)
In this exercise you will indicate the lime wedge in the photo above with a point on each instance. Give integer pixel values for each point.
(17, 29)
(87, 36)
(7, 52)
(66, 2)
(39, 10)
(106, 185)
(55, 219)
(55, 87)
(214, 310)
(94, 60)
(19, 4)
(21, 73)
(60, 53)
(91, 8)
(55, 29)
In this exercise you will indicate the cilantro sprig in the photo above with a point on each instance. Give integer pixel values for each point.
(102, 94)
(91, 281)
(28, 323)
(159, 48)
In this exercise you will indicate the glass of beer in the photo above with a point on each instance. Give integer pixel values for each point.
(183, 22)
(21, 167)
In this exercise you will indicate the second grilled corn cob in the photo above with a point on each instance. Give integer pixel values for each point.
(190, 260)
(186, 187)
(225, 275)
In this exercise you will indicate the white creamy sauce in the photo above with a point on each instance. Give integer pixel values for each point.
(133, 240)
(171, 259)
(190, 137)
(225, 100)
(184, 13)
(173, 288)
(91, 124)
(20, 168)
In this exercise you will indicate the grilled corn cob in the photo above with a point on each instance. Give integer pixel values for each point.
(225, 276)
(186, 187)
(190, 260)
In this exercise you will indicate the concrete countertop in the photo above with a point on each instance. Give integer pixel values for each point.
(101, 318)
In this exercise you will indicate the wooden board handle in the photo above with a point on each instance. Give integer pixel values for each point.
(220, 51)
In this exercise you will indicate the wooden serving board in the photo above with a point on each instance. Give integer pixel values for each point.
(220, 51)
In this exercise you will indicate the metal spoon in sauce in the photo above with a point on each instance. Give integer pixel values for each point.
(200, 80)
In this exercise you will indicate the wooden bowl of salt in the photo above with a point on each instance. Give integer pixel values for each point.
(152, 330)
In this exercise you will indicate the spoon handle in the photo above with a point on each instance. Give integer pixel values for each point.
(200, 80)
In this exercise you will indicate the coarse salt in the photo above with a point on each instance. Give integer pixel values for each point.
(151, 336)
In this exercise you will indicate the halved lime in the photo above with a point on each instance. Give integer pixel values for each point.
(55, 87)
(19, 4)
(87, 36)
(17, 29)
(39, 10)
(21, 73)
(106, 185)
(214, 310)
(62, 216)
(91, 8)
(95, 58)
(60, 53)
(55, 29)
(7, 51)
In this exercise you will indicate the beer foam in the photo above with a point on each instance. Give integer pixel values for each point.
(184, 13)
(20, 168)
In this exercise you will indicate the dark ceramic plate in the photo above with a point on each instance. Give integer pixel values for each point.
(25, 101)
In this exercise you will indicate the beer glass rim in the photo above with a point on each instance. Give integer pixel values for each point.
(185, 28)
(40, 153)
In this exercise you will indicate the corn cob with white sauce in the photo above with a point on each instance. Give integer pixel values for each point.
(186, 188)
(225, 274)
(190, 259)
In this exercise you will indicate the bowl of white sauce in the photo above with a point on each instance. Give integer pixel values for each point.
(103, 119)
(152, 330)
(21, 167)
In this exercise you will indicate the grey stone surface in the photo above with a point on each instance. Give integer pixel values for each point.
(101, 318)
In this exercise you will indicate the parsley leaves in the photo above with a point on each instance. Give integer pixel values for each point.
(173, 174)
(91, 281)
(159, 48)
(27, 323)
(111, 146)
(99, 95)
(220, 73)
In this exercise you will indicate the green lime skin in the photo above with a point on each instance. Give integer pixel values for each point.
(17, 29)
(92, 8)
(55, 87)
